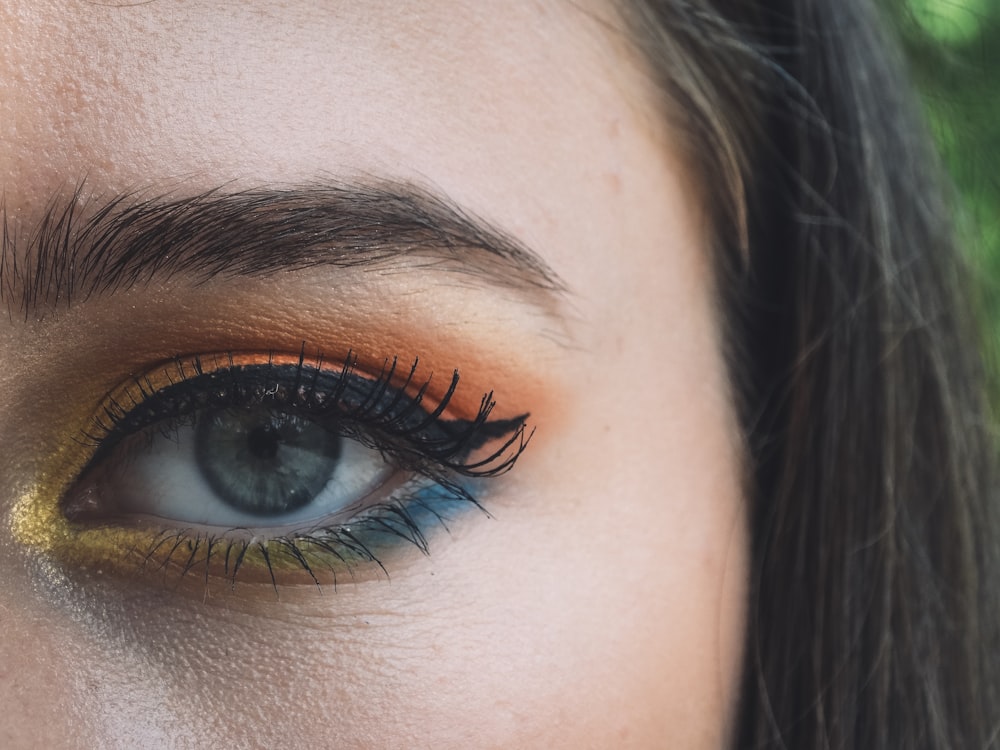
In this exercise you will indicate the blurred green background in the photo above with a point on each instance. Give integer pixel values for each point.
(954, 52)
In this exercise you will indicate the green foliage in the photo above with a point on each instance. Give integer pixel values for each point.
(951, 22)
(954, 52)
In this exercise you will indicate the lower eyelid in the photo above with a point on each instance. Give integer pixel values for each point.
(361, 549)
(365, 548)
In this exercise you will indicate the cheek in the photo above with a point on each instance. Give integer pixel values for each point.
(63, 687)
(656, 575)
(649, 478)
(31, 686)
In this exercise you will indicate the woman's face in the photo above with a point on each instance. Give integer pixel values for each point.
(599, 599)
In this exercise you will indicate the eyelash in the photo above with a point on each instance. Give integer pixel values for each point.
(378, 412)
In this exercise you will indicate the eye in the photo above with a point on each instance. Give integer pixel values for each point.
(228, 464)
(238, 467)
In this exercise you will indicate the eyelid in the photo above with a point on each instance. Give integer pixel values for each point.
(181, 368)
(400, 384)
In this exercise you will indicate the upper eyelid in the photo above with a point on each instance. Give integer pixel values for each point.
(77, 251)
(386, 418)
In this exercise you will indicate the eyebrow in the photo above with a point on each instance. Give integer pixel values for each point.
(81, 248)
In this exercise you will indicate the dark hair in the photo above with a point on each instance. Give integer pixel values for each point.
(873, 615)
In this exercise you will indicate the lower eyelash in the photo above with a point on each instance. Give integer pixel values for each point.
(322, 553)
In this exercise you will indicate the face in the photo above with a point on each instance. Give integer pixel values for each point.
(529, 532)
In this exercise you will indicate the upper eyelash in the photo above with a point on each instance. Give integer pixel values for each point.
(360, 405)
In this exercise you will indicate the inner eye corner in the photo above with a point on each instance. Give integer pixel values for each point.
(78, 505)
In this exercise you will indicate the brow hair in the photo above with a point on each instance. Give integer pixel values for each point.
(84, 247)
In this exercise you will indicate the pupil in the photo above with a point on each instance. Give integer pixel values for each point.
(263, 441)
(265, 462)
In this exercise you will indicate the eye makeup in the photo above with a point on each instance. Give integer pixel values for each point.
(268, 467)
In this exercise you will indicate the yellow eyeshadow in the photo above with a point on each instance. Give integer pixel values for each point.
(37, 520)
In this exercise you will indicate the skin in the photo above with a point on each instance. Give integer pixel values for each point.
(602, 603)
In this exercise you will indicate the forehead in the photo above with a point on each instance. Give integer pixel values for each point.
(529, 114)
(178, 91)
